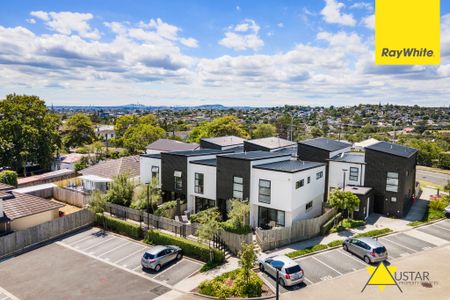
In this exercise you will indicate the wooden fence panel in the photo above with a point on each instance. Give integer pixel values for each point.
(72, 197)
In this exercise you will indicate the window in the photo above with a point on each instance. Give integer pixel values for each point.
(309, 205)
(264, 191)
(199, 183)
(155, 172)
(238, 187)
(392, 182)
(203, 203)
(319, 175)
(393, 199)
(309, 179)
(268, 217)
(178, 181)
(299, 184)
(354, 174)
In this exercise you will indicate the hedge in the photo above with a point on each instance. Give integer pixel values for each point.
(8, 177)
(190, 248)
(330, 223)
(373, 233)
(119, 226)
(227, 226)
(315, 248)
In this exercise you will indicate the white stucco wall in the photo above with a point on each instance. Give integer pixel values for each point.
(146, 164)
(209, 180)
(336, 175)
(30, 221)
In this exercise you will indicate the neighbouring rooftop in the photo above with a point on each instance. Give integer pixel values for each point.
(394, 149)
(255, 155)
(225, 141)
(272, 143)
(45, 176)
(166, 145)
(205, 162)
(290, 166)
(357, 190)
(110, 168)
(326, 144)
(154, 155)
(16, 205)
(4, 187)
(350, 157)
(199, 152)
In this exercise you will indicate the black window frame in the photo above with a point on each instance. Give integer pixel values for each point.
(389, 184)
(178, 181)
(319, 175)
(153, 172)
(299, 183)
(199, 183)
(241, 184)
(310, 204)
(352, 176)
(265, 189)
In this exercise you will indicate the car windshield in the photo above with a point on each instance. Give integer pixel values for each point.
(294, 269)
(148, 256)
(380, 250)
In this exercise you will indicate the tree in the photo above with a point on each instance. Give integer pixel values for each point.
(316, 132)
(98, 205)
(28, 132)
(247, 259)
(121, 191)
(149, 119)
(344, 201)
(123, 123)
(8, 177)
(238, 213)
(147, 196)
(78, 131)
(223, 126)
(264, 130)
(209, 227)
(137, 137)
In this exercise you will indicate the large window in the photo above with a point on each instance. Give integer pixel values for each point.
(199, 183)
(264, 191)
(155, 172)
(354, 174)
(268, 217)
(203, 203)
(299, 184)
(178, 181)
(238, 187)
(392, 182)
(319, 175)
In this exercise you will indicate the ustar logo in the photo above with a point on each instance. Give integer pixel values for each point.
(381, 276)
(407, 52)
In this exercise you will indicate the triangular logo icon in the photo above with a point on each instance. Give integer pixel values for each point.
(381, 276)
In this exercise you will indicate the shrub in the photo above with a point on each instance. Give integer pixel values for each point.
(308, 250)
(119, 226)
(162, 210)
(373, 233)
(8, 177)
(230, 227)
(196, 218)
(436, 208)
(334, 243)
(330, 223)
(190, 248)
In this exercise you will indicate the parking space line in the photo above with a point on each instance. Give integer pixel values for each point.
(164, 271)
(130, 255)
(8, 294)
(115, 248)
(437, 225)
(351, 256)
(78, 241)
(326, 265)
(4, 298)
(304, 277)
(98, 244)
(400, 245)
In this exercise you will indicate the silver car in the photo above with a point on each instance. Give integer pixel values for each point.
(447, 211)
(290, 274)
(367, 248)
(158, 256)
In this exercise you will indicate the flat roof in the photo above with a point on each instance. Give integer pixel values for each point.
(271, 142)
(350, 157)
(205, 162)
(255, 155)
(45, 176)
(154, 155)
(326, 144)
(357, 190)
(290, 166)
(224, 141)
(171, 145)
(34, 188)
(393, 149)
(199, 152)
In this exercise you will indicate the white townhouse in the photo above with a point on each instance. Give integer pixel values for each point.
(347, 168)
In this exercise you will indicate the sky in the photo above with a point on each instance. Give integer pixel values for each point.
(234, 53)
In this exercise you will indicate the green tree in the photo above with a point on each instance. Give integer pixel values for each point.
(316, 132)
(78, 131)
(147, 196)
(247, 259)
(97, 205)
(344, 201)
(137, 137)
(149, 119)
(239, 213)
(121, 191)
(209, 227)
(8, 177)
(28, 132)
(123, 123)
(264, 130)
(223, 126)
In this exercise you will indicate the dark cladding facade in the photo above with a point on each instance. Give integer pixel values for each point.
(170, 164)
(391, 172)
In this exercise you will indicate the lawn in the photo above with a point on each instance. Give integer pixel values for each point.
(435, 211)
(347, 224)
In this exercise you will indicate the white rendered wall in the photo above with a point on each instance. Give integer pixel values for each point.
(336, 175)
(209, 183)
(146, 164)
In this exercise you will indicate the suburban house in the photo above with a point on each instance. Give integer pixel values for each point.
(68, 161)
(105, 132)
(270, 144)
(98, 177)
(166, 145)
(222, 143)
(48, 177)
(391, 172)
(21, 211)
(347, 168)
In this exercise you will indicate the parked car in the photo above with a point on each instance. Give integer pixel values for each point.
(367, 248)
(447, 211)
(290, 274)
(158, 256)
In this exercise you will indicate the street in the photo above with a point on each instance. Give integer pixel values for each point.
(434, 177)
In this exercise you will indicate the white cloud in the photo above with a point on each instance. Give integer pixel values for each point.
(281, 25)
(189, 42)
(243, 36)
(68, 23)
(238, 8)
(31, 21)
(332, 14)
(362, 5)
(369, 21)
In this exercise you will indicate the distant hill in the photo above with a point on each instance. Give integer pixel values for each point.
(150, 108)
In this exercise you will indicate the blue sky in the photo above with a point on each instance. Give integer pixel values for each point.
(197, 52)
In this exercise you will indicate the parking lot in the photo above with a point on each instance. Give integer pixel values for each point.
(127, 254)
(335, 263)
(4, 295)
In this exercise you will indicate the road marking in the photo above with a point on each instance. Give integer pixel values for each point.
(98, 244)
(414, 251)
(304, 277)
(326, 265)
(80, 240)
(115, 248)
(166, 270)
(327, 277)
(8, 294)
(128, 256)
(351, 256)
(437, 225)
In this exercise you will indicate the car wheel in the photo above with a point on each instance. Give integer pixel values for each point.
(281, 282)
(261, 267)
(179, 256)
(367, 260)
(157, 268)
(345, 247)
